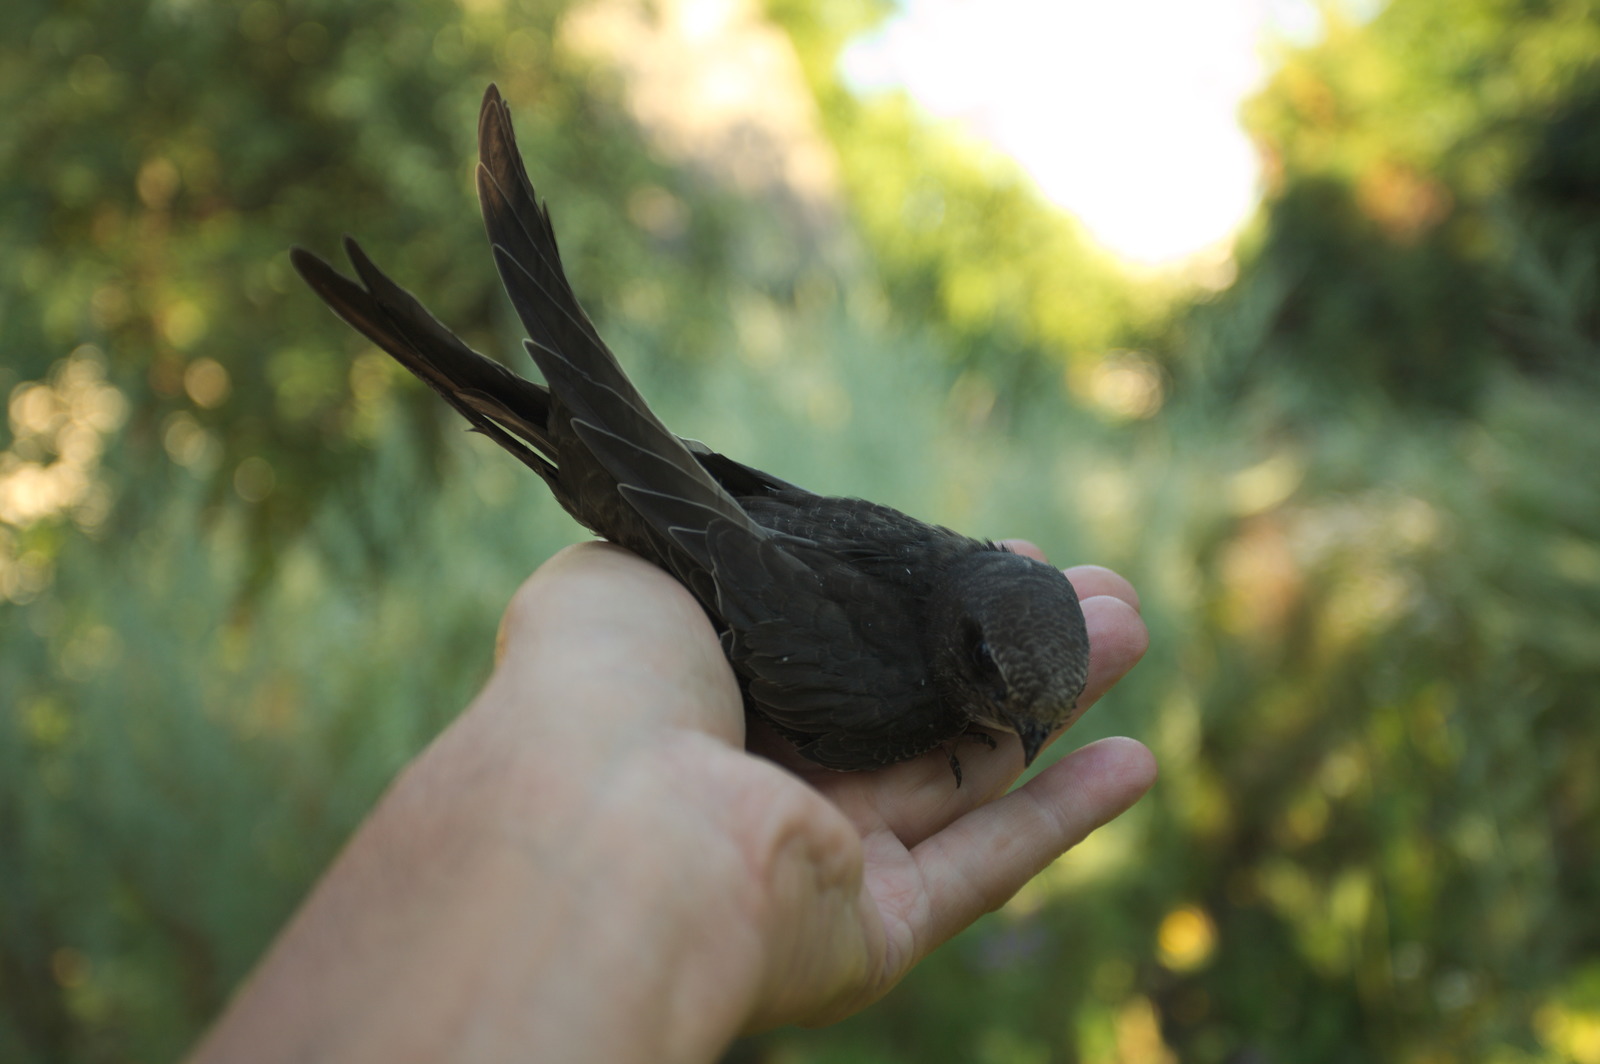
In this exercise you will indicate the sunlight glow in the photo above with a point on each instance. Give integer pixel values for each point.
(1125, 114)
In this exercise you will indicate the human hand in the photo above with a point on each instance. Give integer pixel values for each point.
(855, 876)
(590, 862)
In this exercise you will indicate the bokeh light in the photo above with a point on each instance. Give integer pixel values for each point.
(1125, 114)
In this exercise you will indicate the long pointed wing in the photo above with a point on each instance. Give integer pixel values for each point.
(493, 399)
(654, 470)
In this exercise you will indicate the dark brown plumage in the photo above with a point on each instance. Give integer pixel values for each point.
(863, 635)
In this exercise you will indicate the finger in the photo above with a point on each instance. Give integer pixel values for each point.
(977, 863)
(1087, 580)
(618, 641)
(1025, 547)
(1118, 639)
(1090, 581)
(918, 798)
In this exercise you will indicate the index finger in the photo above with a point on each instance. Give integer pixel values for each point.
(1087, 580)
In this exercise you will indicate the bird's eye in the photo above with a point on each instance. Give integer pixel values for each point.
(985, 670)
(983, 660)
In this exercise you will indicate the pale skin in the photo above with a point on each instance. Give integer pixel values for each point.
(589, 864)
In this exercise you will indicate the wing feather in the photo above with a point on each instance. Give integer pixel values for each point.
(831, 657)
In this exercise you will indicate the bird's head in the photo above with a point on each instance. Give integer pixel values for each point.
(1009, 644)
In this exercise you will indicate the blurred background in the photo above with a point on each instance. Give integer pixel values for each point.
(1289, 311)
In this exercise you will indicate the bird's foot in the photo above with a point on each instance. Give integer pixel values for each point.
(979, 733)
(955, 762)
(972, 732)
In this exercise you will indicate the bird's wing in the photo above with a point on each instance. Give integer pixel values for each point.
(739, 479)
(501, 405)
(654, 470)
(832, 657)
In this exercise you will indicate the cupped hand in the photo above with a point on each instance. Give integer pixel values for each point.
(823, 888)
(591, 863)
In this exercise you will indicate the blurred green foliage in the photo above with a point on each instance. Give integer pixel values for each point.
(1405, 166)
(247, 570)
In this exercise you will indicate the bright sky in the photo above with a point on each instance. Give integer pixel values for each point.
(1123, 111)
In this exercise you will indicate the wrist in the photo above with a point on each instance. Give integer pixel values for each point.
(490, 909)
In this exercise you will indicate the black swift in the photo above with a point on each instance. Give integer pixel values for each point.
(866, 637)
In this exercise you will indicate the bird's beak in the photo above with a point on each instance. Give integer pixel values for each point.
(1033, 738)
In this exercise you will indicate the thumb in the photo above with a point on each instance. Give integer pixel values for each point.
(598, 631)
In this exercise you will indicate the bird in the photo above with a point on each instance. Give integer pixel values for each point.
(862, 635)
